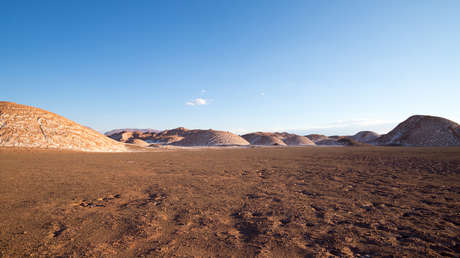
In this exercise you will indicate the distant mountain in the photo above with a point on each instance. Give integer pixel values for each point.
(116, 131)
(365, 136)
(267, 138)
(316, 137)
(181, 137)
(328, 141)
(261, 138)
(25, 126)
(298, 140)
(209, 138)
(420, 130)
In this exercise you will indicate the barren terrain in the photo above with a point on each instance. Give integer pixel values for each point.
(267, 202)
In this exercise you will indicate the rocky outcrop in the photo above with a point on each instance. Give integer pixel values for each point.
(422, 130)
(182, 137)
(139, 142)
(209, 138)
(117, 131)
(329, 142)
(25, 126)
(297, 140)
(364, 136)
(316, 137)
(266, 138)
(261, 138)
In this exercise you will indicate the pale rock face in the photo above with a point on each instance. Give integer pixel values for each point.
(25, 126)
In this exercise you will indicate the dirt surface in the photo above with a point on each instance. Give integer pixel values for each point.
(242, 202)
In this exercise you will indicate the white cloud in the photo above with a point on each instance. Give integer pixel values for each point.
(197, 102)
(203, 91)
(262, 94)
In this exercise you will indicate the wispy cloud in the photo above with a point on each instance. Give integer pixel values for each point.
(203, 91)
(197, 102)
(262, 94)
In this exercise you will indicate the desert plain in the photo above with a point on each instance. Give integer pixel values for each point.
(231, 202)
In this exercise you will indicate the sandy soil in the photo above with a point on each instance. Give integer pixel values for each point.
(243, 202)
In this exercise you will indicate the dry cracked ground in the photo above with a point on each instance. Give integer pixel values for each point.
(240, 202)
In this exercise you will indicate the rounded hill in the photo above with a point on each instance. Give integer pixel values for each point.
(365, 136)
(25, 126)
(261, 138)
(298, 140)
(316, 137)
(421, 130)
(207, 138)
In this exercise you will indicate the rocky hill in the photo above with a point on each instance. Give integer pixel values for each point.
(328, 141)
(128, 136)
(139, 142)
(117, 131)
(182, 137)
(25, 126)
(260, 138)
(209, 138)
(316, 137)
(298, 140)
(422, 130)
(365, 136)
(266, 138)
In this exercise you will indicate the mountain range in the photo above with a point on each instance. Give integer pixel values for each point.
(25, 126)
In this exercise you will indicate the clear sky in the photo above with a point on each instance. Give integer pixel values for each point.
(307, 66)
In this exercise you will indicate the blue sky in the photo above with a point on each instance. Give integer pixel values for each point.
(332, 67)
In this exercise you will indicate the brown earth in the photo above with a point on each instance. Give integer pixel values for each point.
(26, 126)
(239, 202)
